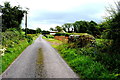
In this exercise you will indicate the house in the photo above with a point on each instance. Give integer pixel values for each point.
(53, 32)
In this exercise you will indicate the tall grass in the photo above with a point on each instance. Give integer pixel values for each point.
(14, 42)
(84, 62)
(13, 53)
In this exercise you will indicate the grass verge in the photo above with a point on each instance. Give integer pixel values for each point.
(85, 66)
(13, 52)
(90, 62)
(54, 43)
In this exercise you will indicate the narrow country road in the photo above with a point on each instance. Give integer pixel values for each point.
(39, 60)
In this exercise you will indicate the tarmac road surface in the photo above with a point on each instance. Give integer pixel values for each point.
(39, 60)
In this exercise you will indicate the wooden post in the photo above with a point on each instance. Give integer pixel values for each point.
(26, 24)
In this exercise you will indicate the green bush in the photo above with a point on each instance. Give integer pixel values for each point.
(62, 34)
(14, 42)
(29, 39)
(103, 45)
(84, 62)
(88, 68)
(111, 62)
(12, 53)
(100, 54)
(11, 37)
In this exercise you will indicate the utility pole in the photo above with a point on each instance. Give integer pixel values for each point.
(26, 21)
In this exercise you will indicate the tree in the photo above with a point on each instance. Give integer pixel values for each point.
(44, 32)
(114, 22)
(58, 28)
(52, 29)
(103, 26)
(30, 31)
(93, 28)
(112, 28)
(64, 28)
(68, 27)
(114, 25)
(38, 30)
(80, 26)
(11, 16)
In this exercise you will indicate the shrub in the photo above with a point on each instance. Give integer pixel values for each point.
(14, 43)
(12, 53)
(62, 34)
(81, 40)
(84, 62)
(110, 61)
(9, 37)
(100, 54)
(29, 38)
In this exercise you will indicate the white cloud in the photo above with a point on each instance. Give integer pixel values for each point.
(49, 13)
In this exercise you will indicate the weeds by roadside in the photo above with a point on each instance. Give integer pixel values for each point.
(86, 66)
(14, 43)
(91, 62)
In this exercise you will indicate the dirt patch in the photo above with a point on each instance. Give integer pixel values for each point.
(62, 38)
(54, 43)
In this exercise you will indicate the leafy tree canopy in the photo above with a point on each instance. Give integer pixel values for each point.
(11, 16)
(38, 30)
(58, 28)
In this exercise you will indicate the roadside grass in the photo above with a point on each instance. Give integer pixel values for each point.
(23, 33)
(91, 62)
(108, 58)
(54, 43)
(33, 36)
(85, 66)
(14, 43)
(12, 53)
(80, 33)
(64, 34)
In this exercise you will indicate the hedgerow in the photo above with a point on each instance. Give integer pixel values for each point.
(14, 42)
(90, 63)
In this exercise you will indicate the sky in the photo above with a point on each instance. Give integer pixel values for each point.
(51, 13)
